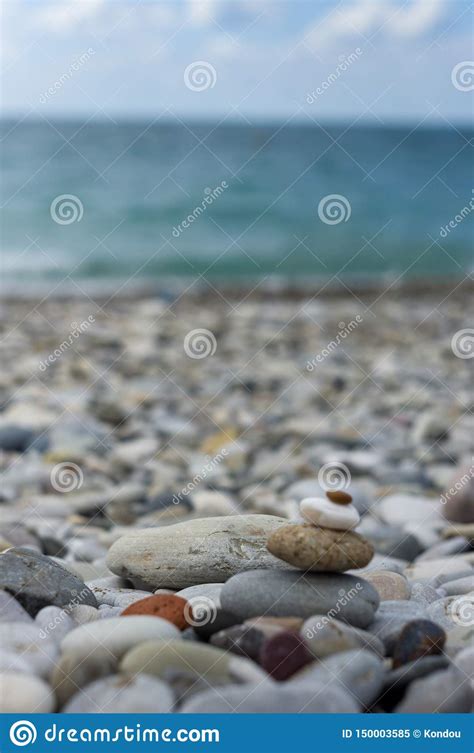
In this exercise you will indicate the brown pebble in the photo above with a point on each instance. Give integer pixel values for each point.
(167, 606)
(339, 497)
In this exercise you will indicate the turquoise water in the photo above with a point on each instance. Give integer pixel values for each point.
(136, 183)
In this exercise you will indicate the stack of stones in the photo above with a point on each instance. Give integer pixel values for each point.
(325, 542)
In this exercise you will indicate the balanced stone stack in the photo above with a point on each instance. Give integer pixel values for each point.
(326, 542)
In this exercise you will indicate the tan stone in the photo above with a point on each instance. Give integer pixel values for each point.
(390, 586)
(320, 549)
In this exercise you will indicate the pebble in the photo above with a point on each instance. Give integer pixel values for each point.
(443, 692)
(54, 623)
(11, 610)
(326, 514)
(389, 586)
(121, 694)
(284, 654)
(459, 638)
(459, 586)
(417, 639)
(181, 555)
(453, 610)
(359, 672)
(397, 509)
(27, 641)
(272, 698)
(428, 569)
(286, 594)
(116, 634)
(83, 613)
(424, 594)
(26, 694)
(37, 581)
(459, 497)
(159, 658)
(211, 591)
(243, 640)
(393, 541)
(272, 625)
(319, 549)
(325, 637)
(391, 618)
(168, 607)
(397, 680)
(454, 545)
(464, 661)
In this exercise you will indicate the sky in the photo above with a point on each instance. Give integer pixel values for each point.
(251, 60)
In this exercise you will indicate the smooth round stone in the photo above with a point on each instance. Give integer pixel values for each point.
(389, 586)
(180, 555)
(424, 594)
(326, 514)
(455, 545)
(54, 623)
(272, 698)
(242, 640)
(459, 586)
(25, 640)
(339, 497)
(272, 625)
(168, 607)
(325, 637)
(10, 662)
(83, 613)
(37, 581)
(397, 680)
(120, 694)
(207, 620)
(117, 634)
(391, 618)
(120, 598)
(24, 694)
(427, 569)
(393, 541)
(445, 692)
(284, 654)
(159, 658)
(398, 509)
(459, 638)
(11, 610)
(287, 594)
(319, 549)
(417, 639)
(453, 610)
(459, 506)
(207, 591)
(73, 672)
(359, 672)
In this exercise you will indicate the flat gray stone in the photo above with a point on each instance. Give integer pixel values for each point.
(203, 550)
(445, 692)
(292, 594)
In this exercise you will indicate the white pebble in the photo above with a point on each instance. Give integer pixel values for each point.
(24, 694)
(326, 514)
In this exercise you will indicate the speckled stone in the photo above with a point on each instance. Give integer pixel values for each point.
(319, 549)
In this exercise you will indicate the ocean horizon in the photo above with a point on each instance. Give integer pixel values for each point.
(147, 200)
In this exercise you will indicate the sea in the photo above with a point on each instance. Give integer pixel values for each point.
(157, 200)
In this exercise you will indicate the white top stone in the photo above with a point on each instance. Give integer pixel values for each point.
(321, 512)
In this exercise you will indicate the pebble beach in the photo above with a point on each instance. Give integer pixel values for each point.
(238, 502)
